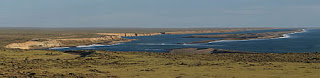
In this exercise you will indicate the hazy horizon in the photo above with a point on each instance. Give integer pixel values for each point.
(159, 13)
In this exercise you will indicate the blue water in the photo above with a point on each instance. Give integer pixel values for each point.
(300, 42)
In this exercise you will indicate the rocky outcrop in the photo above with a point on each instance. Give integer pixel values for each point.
(66, 42)
(130, 34)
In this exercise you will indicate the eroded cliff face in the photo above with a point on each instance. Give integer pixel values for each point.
(130, 34)
(66, 42)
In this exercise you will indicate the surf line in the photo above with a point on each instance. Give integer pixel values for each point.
(288, 34)
(283, 36)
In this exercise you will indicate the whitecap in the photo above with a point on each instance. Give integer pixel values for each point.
(284, 36)
(190, 44)
(97, 45)
(155, 44)
(113, 44)
(288, 35)
(58, 48)
(228, 41)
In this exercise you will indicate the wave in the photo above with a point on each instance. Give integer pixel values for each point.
(226, 41)
(184, 44)
(113, 44)
(234, 40)
(58, 48)
(283, 36)
(97, 45)
(156, 44)
(93, 45)
(85, 46)
(190, 44)
(288, 35)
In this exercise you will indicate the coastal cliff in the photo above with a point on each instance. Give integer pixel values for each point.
(66, 42)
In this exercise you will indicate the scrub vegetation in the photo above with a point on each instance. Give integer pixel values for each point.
(40, 63)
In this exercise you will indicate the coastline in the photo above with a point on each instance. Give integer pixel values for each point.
(56, 43)
(177, 32)
(221, 50)
(213, 50)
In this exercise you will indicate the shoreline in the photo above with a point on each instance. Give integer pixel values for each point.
(110, 43)
(108, 39)
(219, 50)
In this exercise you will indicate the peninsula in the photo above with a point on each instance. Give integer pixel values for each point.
(244, 36)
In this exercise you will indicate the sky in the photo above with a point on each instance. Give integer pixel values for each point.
(159, 13)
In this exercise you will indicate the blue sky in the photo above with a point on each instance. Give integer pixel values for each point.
(159, 13)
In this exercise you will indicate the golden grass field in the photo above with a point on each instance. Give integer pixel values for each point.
(17, 63)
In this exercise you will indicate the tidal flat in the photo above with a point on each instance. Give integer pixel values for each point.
(101, 63)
